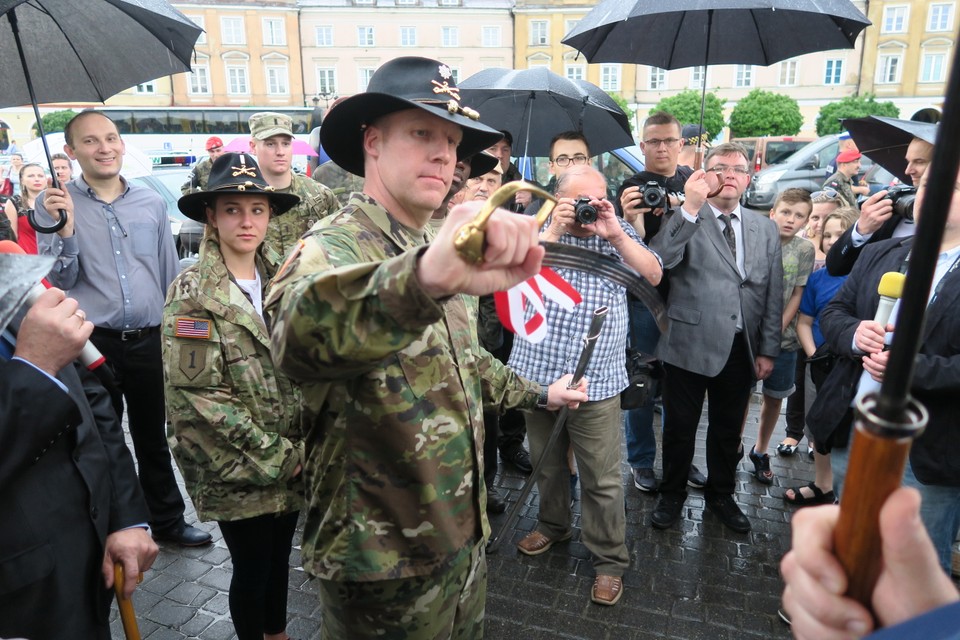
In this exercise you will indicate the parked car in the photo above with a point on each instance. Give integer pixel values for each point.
(767, 150)
(806, 168)
(186, 232)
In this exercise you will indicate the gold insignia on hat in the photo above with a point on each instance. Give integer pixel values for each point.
(444, 87)
(454, 107)
(243, 169)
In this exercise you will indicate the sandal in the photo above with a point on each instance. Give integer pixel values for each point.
(818, 497)
(761, 466)
(785, 449)
(607, 590)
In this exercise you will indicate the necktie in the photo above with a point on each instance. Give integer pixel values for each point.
(729, 235)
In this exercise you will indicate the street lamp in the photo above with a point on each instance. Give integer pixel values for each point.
(326, 97)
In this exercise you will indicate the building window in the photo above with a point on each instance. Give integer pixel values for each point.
(888, 69)
(933, 67)
(408, 36)
(895, 19)
(574, 72)
(449, 36)
(449, 3)
(326, 81)
(231, 30)
(658, 79)
(277, 84)
(237, 80)
(833, 72)
(365, 36)
(569, 25)
(200, 22)
(455, 74)
(610, 77)
(146, 88)
(324, 33)
(365, 74)
(199, 83)
(273, 33)
(743, 75)
(539, 32)
(788, 73)
(696, 77)
(490, 37)
(941, 17)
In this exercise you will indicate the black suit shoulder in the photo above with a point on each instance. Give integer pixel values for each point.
(843, 255)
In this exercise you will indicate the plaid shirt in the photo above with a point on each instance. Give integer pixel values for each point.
(559, 352)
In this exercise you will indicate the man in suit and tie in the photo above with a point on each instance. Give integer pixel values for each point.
(725, 311)
(70, 502)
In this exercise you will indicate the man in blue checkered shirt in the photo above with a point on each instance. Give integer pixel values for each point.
(594, 430)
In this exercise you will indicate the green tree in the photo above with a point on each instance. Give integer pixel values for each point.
(623, 104)
(765, 113)
(55, 121)
(685, 107)
(828, 120)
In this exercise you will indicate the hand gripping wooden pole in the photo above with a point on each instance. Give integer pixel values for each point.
(127, 615)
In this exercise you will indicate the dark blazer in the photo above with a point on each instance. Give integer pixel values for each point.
(843, 255)
(707, 291)
(936, 381)
(67, 480)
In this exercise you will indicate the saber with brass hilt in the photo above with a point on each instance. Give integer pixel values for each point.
(589, 344)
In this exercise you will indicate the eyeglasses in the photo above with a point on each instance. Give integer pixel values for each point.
(721, 169)
(656, 142)
(828, 194)
(563, 161)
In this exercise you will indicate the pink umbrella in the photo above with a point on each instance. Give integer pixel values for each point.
(242, 145)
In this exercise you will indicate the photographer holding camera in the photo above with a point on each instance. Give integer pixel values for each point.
(593, 430)
(885, 214)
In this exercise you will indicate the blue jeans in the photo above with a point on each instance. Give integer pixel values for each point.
(939, 509)
(638, 426)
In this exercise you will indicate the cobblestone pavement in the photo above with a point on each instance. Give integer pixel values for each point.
(697, 580)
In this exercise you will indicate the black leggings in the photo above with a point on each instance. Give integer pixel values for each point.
(260, 551)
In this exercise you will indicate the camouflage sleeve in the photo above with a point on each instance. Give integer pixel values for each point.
(502, 388)
(335, 322)
(211, 427)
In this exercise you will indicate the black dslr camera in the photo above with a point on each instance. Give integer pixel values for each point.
(585, 212)
(902, 197)
(653, 195)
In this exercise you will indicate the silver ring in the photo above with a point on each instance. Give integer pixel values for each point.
(80, 314)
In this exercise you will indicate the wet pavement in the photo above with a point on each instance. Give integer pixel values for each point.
(697, 580)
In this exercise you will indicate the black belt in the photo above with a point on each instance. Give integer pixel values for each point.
(125, 336)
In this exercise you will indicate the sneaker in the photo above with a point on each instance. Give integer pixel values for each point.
(725, 508)
(696, 479)
(519, 458)
(668, 511)
(761, 467)
(645, 480)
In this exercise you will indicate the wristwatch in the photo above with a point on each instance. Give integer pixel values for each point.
(543, 399)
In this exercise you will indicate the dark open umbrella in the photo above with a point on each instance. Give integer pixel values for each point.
(885, 140)
(689, 33)
(536, 104)
(72, 50)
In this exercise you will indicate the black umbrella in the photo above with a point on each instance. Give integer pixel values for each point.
(86, 51)
(536, 104)
(885, 140)
(686, 33)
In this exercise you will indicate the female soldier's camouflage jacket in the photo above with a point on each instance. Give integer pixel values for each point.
(235, 418)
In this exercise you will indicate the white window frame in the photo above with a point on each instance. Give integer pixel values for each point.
(539, 33)
(244, 69)
(611, 76)
(790, 69)
(201, 22)
(198, 84)
(365, 29)
(363, 77)
(408, 36)
(695, 76)
(743, 76)
(894, 14)
(657, 79)
(281, 77)
(449, 36)
(146, 88)
(945, 16)
(324, 35)
(575, 71)
(234, 21)
(491, 36)
(326, 80)
(274, 27)
(886, 63)
(833, 71)
(926, 60)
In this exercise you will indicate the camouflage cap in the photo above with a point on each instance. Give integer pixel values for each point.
(266, 124)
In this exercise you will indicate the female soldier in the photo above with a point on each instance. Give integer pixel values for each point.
(235, 417)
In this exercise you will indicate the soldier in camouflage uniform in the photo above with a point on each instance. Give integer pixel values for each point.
(235, 418)
(197, 180)
(271, 136)
(374, 326)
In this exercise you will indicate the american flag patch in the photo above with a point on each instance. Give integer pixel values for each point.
(192, 328)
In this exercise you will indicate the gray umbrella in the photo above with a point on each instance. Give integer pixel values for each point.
(18, 275)
(536, 104)
(686, 33)
(885, 140)
(89, 50)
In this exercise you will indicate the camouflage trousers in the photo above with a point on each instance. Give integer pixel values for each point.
(444, 605)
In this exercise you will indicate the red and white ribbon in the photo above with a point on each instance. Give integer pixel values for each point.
(512, 304)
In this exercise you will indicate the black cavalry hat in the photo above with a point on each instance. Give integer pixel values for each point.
(234, 173)
(402, 83)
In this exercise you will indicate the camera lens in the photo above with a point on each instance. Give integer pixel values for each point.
(653, 195)
(584, 212)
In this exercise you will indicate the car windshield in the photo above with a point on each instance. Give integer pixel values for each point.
(780, 150)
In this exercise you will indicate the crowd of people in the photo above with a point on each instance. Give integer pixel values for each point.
(342, 362)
